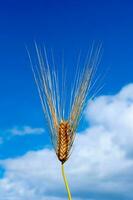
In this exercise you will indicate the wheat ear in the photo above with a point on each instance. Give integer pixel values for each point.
(64, 141)
(63, 129)
(63, 148)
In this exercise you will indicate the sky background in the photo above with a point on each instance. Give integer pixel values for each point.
(107, 137)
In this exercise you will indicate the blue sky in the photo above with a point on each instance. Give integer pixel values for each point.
(67, 26)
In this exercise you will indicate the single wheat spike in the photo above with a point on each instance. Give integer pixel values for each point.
(63, 129)
(64, 141)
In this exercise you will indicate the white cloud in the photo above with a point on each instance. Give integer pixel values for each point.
(99, 168)
(115, 114)
(25, 130)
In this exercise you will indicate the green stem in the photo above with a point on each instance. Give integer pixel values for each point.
(66, 183)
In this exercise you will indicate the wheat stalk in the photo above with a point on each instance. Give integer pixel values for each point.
(63, 130)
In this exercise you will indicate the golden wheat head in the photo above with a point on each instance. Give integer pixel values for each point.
(63, 130)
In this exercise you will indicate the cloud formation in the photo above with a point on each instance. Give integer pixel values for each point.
(99, 168)
(25, 130)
